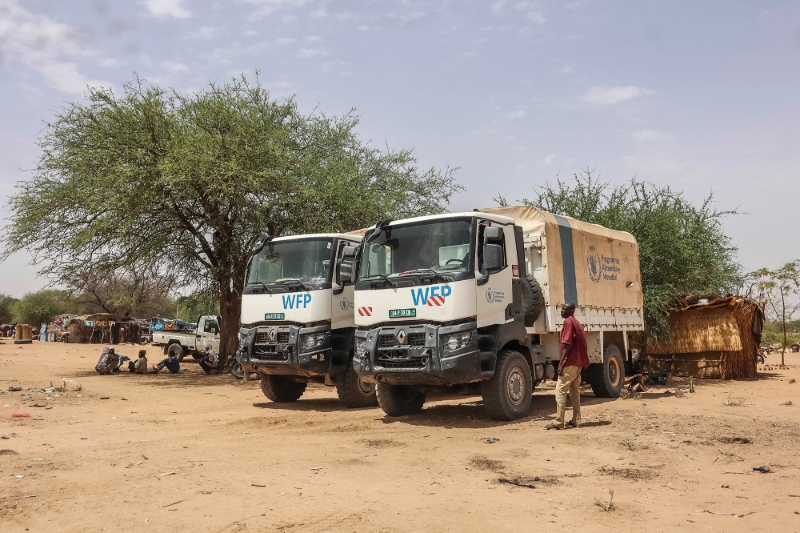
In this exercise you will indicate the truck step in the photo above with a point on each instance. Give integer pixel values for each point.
(486, 343)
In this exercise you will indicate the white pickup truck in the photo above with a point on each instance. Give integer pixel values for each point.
(180, 343)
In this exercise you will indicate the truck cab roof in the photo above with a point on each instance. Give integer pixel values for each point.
(346, 236)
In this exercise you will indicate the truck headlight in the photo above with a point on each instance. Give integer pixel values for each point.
(312, 340)
(360, 345)
(456, 341)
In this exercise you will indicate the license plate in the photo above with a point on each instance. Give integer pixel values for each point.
(274, 316)
(402, 313)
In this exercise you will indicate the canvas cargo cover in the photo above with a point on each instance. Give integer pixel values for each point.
(585, 264)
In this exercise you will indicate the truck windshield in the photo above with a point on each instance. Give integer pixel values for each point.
(307, 261)
(441, 246)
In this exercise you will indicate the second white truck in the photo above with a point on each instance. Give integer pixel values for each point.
(297, 318)
(471, 301)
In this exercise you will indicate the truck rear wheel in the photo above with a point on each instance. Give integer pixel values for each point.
(399, 400)
(175, 350)
(353, 392)
(507, 394)
(282, 389)
(532, 299)
(607, 378)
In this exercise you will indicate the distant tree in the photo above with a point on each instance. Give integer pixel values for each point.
(6, 305)
(777, 291)
(41, 307)
(683, 248)
(190, 308)
(137, 291)
(191, 183)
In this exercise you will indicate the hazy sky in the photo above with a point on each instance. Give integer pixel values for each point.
(697, 95)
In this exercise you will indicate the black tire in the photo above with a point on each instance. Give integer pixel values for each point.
(399, 400)
(236, 370)
(282, 389)
(176, 350)
(507, 394)
(532, 299)
(353, 392)
(608, 378)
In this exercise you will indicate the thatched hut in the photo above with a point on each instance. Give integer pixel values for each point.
(712, 338)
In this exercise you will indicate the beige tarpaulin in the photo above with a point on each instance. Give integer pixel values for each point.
(586, 264)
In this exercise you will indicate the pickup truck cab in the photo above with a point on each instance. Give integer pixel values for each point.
(183, 341)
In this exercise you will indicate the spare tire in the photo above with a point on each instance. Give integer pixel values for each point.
(532, 299)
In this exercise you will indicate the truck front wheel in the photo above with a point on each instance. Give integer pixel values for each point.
(175, 350)
(608, 377)
(282, 389)
(399, 400)
(507, 394)
(353, 392)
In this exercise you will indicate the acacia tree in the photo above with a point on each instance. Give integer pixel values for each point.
(683, 248)
(776, 291)
(191, 183)
(139, 291)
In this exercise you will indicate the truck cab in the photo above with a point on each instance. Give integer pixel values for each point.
(297, 318)
(471, 300)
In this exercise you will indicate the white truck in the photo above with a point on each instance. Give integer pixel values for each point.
(471, 301)
(297, 318)
(180, 343)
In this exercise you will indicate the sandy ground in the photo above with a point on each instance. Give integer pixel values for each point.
(207, 453)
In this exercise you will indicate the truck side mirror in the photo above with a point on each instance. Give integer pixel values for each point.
(348, 262)
(492, 258)
(493, 234)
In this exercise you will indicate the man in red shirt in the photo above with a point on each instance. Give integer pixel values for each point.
(574, 358)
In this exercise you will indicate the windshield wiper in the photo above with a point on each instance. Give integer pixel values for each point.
(427, 271)
(294, 282)
(383, 277)
(263, 286)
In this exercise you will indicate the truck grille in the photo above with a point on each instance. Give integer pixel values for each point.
(413, 339)
(263, 337)
(268, 352)
(400, 359)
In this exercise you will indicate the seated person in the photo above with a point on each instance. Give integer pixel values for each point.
(140, 365)
(172, 364)
(210, 361)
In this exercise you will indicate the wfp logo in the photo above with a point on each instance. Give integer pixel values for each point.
(432, 296)
(296, 301)
(593, 264)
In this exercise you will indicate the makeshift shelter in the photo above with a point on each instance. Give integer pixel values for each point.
(101, 328)
(712, 338)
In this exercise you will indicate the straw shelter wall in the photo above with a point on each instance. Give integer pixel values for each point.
(714, 340)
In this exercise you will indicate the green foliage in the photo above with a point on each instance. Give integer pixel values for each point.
(189, 184)
(7, 304)
(36, 308)
(189, 308)
(682, 246)
(772, 334)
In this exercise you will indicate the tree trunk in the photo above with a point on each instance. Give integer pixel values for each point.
(783, 303)
(230, 308)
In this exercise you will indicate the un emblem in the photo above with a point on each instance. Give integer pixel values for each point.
(593, 264)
